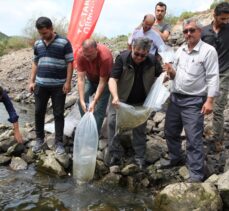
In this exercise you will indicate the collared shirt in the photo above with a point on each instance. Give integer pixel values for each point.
(13, 117)
(154, 37)
(52, 61)
(100, 67)
(197, 72)
(220, 41)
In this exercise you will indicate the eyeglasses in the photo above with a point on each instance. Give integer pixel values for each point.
(140, 55)
(191, 30)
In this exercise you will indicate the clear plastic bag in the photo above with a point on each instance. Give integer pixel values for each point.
(167, 54)
(85, 149)
(158, 94)
(129, 117)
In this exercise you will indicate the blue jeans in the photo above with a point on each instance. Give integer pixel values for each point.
(101, 106)
(42, 95)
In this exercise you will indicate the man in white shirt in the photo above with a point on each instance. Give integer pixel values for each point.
(195, 75)
(147, 31)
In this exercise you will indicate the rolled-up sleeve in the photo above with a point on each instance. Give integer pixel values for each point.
(13, 117)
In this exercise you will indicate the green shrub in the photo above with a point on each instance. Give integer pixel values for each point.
(17, 43)
(186, 15)
(171, 19)
(3, 45)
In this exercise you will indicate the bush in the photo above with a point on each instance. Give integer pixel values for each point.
(3, 46)
(170, 19)
(186, 15)
(12, 43)
(17, 43)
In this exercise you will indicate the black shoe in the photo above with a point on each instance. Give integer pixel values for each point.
(170, 164)
(115, 161)
(140, 163)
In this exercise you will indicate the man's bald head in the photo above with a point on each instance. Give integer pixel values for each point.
(89, 43)
(89, 48)
(148, 22)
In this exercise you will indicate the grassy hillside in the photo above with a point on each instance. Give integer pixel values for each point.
(3, 36)
(8, 44)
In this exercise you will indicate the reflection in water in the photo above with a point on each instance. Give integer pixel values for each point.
(29, 190)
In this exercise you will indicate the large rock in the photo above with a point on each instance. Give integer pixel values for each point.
(18, 163)
(51, 164)
(5, 144)
(155, 148)
(4, 160)
(16, 150)
(6, 134)
(223, 187)
(188, 196)
(130, 169)
(112, 180)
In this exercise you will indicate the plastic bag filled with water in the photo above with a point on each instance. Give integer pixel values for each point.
(85, 149)
(129, 117)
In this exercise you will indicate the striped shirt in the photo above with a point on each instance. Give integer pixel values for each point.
(52, 61)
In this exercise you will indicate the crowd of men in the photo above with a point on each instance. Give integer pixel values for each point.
(199, 75)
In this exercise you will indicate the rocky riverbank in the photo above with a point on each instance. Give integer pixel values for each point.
(168, 187)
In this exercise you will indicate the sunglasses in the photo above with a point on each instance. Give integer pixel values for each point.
(140, 55)
(191, 30)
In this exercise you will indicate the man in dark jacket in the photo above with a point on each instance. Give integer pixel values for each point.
(131, 78)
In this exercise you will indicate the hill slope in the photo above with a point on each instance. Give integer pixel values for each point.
(3, 36)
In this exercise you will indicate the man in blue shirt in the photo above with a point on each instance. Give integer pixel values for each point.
(13, 117)
(51, 78)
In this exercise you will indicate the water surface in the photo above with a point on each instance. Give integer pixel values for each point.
(32, 190)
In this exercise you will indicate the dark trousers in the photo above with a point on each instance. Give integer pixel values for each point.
(42, 95)
(184, 111)
(138, 141)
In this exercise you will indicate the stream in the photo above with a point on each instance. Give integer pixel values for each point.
(36, 191)
(31, 190)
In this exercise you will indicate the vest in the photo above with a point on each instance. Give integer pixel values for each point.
(125, 83)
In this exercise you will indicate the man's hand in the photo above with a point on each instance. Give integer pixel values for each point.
(31, 87)
(208, 106)
(67, 87)
(18, 137)
(92, 106)
(83, 106)
(115, 102)
(167, 67)
(17, 134)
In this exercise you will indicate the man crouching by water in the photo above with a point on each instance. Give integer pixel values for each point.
(131, 78)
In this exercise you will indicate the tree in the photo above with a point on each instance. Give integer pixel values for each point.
(60, 27)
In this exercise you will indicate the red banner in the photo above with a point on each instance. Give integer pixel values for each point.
(85, 14)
